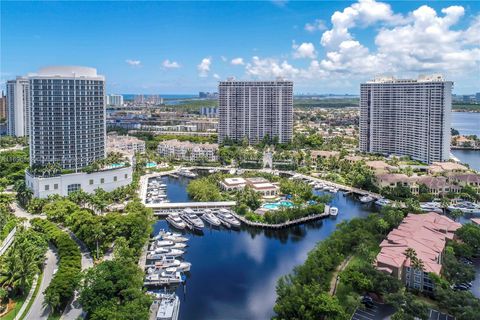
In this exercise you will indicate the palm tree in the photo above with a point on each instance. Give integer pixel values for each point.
(444, 202)
(24, 194)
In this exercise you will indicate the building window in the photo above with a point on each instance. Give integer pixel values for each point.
(47, 187)
(102, 180)
(55, 186)
(91, 181)
(115, 178)
(73, 187)
(126, 175)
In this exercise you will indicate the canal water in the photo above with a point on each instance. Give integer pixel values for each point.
(467, 123)
(234, 273)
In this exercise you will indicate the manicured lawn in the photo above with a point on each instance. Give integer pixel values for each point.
(18, 304)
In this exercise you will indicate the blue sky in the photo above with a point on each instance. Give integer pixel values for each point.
(185, 47)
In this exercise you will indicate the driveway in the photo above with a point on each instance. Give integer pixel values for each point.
(38, 311)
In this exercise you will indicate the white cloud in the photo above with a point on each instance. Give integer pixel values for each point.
(170, 64)
(237, 61)
(420, 41)
(270, 68)
(364, 13)
(317, 25)
(305, 50)
(216, 76)
(204, 67)
(133, 63)
(423, 41)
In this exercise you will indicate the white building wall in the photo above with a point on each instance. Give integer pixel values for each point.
(112, 179)
(18, 104)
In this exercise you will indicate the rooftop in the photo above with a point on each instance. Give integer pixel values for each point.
(425, 233)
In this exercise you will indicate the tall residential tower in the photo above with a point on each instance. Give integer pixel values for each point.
(68, 117)
(255, 109)
(406, 117)
(18, 107)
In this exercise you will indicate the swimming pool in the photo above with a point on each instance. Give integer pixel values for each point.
(276, 205)
(151, 165)
(116, 165)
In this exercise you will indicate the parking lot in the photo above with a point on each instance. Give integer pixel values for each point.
(377, 312)
(383, 312)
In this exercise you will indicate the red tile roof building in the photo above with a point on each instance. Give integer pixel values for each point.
(427, 234)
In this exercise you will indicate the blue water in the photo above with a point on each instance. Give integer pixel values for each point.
(130, 96)
(467, 123)
(234, 273)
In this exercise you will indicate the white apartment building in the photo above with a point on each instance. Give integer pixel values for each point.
(128, 144)
(67, 127)
(255, 109)
(115, 100)
(188, 151)
(406, 117)
(18, 106)
(67, 117)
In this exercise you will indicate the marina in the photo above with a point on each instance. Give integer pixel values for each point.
(245, 262)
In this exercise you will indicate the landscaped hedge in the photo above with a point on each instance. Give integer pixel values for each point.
(66, 279)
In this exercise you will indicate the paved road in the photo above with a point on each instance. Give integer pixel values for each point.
(38, 311)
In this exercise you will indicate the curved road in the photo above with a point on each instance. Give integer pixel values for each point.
(38, 310)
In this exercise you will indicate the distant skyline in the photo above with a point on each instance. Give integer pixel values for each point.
(185, 47)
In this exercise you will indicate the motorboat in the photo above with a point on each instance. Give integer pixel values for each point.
(227, 218)
(186, 173)
(170, 245)
(366, 199)
(168, 251)
(333, 190)
(176, 222)
(163, 243)
(177, 264)
(168, 307)
(193, 220)
(333, 211)
(164, 261)
(383, 202)
(212, 219)
(431, 206)
(319, 186)
(465, 207)
(164, 278)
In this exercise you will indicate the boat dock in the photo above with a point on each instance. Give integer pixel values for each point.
(280, 225)
(166, 208)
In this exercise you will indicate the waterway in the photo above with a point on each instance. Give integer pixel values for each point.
(467, 123)
(234, 273)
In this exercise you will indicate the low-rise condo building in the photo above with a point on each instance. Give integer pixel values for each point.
(128, 144)
(427, 235)
(188, 151)
(446, 168)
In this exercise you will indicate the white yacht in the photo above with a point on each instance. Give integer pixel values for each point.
(227, 219)
(465, 207)
(159, 266)
(171, 245)
(431, 206)
(168, 307)
(212, 219)
(167, 251)
(333, 211)
(383, 202)
(193, 220)
(186, 173)
(176, 222)
(366, 199)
